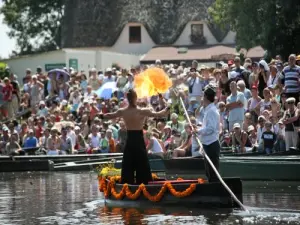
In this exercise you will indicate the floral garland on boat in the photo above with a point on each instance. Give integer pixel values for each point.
(107, 186)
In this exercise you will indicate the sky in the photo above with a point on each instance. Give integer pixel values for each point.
(7, 45)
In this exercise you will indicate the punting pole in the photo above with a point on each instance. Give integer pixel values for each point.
(210, 162)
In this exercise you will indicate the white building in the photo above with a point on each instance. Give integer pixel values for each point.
(79, 59)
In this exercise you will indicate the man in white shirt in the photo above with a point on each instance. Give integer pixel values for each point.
(209, 132)
(109, 77)
(235, 106)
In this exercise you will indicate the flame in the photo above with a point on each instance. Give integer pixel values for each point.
(151, 82)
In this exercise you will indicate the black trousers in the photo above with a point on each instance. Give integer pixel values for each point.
(135, 159)
(213, 152)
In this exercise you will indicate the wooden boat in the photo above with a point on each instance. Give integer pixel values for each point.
(174, 192)
(63, 158)
(19, 166)
(47, 162)
(291, 152)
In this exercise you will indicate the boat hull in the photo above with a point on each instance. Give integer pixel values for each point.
(205, 195)
(21, 166)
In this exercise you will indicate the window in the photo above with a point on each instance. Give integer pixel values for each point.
(197, 30)
(135, 34)
(197, 35)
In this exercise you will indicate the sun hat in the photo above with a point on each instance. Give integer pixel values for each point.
(236, 125)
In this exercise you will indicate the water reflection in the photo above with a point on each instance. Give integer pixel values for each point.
(170, 215)
(73, 198)
(24, 196)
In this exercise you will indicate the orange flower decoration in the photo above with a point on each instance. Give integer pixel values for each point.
(151, 82)
(108, 188)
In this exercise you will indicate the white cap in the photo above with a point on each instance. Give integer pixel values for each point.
(108, 69)
(167, 127)
(236, 125)
(193, 99)
(174, 116)
(42, 103)
(93, 70)
(251, 128)
(64, 102)
(158, 61)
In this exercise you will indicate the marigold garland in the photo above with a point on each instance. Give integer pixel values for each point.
(108, 187)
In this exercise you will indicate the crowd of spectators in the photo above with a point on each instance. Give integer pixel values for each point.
(60, 113)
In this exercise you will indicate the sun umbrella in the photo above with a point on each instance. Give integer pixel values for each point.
(59, 72)
(106, 90)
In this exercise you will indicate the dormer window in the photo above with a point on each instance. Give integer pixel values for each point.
(135, 34)
(197, 35)
(197, 29)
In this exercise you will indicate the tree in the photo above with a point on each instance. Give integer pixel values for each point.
(273, 24)
(36, 25)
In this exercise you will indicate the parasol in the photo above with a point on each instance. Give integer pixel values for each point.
(60, 72)
(106, 90)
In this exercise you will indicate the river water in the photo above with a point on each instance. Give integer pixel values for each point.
(73, 198)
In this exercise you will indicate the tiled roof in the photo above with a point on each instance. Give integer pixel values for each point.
(202, 54)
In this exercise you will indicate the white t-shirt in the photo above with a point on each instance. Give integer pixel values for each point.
(95, 140)
(272, 81)
(75, 100)
(111, 79)
(72, 136)
(156, 147)
(197, 86)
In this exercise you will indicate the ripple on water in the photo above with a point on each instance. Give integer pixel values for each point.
(269, 216)
(97, 213)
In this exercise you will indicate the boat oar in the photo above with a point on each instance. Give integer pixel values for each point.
(210, 162)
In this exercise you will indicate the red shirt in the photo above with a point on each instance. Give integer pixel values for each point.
(38, 132)
(7, 92)
(93, 113)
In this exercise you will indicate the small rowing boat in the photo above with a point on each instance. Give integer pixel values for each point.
(181, 192)
(172, 192)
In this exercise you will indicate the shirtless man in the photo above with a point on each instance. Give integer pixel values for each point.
(135, 155)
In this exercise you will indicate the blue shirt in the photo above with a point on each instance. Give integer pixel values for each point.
(30, 142)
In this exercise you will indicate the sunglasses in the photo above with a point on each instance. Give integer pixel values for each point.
(290, 103)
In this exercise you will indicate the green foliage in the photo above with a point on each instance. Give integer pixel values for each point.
(116, 65)
(4, 71)
(273, 24)
(36, 24)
